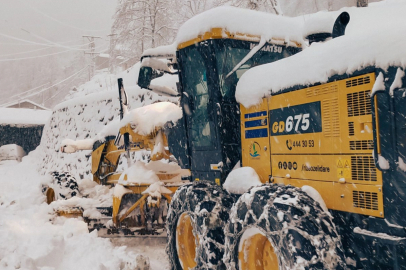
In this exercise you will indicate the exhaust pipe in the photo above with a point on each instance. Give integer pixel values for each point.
(340, 24)
(338, 29)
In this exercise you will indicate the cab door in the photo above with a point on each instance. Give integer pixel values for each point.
(255, 139)
(198, 105)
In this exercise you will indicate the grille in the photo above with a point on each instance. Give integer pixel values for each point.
(362, 145)
(331, 126)
(365, 200)
(321, 90)
(363, 168)
(351, 128)
(358, 103)
(356, 82)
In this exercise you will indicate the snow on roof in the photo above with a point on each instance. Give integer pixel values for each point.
(167, 50)
(22, 101)
(244, 21)
(235, 20)
(145, 119)
(375, 36)
(23, 117)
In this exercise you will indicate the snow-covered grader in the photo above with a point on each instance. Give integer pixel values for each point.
(142, 191)
(319, 132)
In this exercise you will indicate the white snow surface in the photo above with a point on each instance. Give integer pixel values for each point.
(397, 83)
(11, 152)
(138, 174)
(23, 117)
(156, 189)
(71, 146)
(156, 64)
(401, 164)
(374, 37)
(145, 119)
(383, 162)
(120, 190)
(378, 235)
(166, 50)
(315, 195)
(379, 84)
(320, 22)
(33, 237)
(237, 20)
(241, 180)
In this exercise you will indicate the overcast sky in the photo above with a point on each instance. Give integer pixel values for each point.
(54, 20)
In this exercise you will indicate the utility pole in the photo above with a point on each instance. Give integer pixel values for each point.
(112, 56)
(92, 54)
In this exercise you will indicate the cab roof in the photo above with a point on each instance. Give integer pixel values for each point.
(237, 23)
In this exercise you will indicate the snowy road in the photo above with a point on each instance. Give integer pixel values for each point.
(156, 254)
(33, 238)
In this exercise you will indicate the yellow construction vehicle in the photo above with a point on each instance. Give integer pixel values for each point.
(326, 198)
(138, 202)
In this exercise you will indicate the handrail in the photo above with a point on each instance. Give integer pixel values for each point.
(375, 130)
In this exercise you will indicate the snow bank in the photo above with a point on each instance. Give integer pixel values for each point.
(23, 117)
(241, 180)
(11, 152)
(32, 237)
(145, 119)
(374, 37)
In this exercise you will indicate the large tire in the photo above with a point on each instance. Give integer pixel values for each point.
(288, 229)
(64, 186)
(195, 226)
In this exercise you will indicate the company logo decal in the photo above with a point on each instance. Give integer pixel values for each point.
(254, 148)
(317, 168)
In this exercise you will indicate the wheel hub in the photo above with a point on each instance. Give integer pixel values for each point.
(257, 253)
(186, 242)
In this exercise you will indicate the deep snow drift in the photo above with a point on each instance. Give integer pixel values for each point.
(32, 237)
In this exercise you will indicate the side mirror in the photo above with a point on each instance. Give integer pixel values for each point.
(146, 75)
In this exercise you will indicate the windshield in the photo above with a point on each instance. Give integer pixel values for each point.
(230, 52)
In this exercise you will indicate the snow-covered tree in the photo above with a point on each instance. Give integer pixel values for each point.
(140, 24)
(271, 6)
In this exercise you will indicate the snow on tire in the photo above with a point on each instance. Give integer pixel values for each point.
(63, 185)
(288, 225)
(195, 226)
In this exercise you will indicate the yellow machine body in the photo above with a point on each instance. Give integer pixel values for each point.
(105, 159)
(320, 136)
